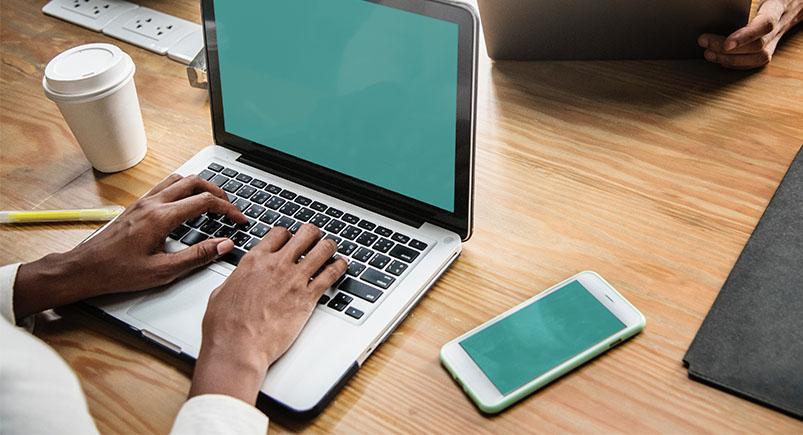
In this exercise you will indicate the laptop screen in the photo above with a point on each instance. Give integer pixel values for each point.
(357, 87)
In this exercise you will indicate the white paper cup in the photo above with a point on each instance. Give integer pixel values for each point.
(93, 86)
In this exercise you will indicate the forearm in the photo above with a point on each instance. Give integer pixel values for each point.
(49, 282)
(234, 373)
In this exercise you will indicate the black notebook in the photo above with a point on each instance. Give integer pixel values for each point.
(751, 342)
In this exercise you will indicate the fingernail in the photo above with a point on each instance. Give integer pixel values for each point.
(710, 56)
(224, 246)
(703, 42)
(730, 45)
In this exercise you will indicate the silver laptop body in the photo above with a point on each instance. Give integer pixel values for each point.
(334, 343)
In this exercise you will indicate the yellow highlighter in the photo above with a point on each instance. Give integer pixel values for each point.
(77, 215)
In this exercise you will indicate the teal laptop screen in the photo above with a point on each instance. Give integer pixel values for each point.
(540, 336)
(359, 88)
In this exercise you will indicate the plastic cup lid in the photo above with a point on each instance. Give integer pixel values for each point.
(86, 70)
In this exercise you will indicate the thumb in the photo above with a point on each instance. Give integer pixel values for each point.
(199, 255)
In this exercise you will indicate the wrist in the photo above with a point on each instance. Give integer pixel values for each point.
(232, 371)
(47, 283)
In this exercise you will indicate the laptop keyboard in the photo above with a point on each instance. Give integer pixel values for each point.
(377, 256)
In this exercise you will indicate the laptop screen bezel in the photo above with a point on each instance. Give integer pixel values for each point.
(349, 188)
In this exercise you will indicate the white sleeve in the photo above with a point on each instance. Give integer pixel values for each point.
(8, 274)
(219, 414)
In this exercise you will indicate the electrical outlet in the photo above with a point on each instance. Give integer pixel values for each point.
(92, 14)
(150, 29)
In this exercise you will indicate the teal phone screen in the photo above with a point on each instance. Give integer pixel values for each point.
(363, 89)
(540, 336)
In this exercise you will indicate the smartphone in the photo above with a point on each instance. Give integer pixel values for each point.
(514, 354)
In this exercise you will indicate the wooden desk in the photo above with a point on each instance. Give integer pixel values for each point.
(650, 173)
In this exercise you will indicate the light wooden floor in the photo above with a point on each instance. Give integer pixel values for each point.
(652, 173)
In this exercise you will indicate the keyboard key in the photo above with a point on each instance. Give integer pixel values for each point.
(251, 243)
(215, 167)
(320, 220)
(303, 200)
(304, 214)
(318, 206)
(384, 232)
(210, 227)
(260, 230)
(194, 237)
(244, 178)
(333, 237)
(269, 217)
(240, 238)
(377, 278)
(350, 218)
(288, 194)
(206, 174)
(229, 172)
(179, 232)
(362, 291)
(355, 268)
(366, 225)
(335, 226)
(246, 226)
(246, 191)
(367, 239)
(346, 248)
(242, 204)
(340, 302)
(259, 184)
(323, 299)
(275, 202)
(351, 233)
(196, 221)
(353, 312)
(380, 261)
(226, 221)
(383, 245)
(234, 256)
(231, 197)
(334, 212)
(285, 222)
(213, 216)
(363, 254)
(219, 180)
(260, 197)
(417, 244)
(255, 211)
(274, 189)
(396, 268)
(225, 231)
(232, 186)
(296, 226)
(401, 238)
(404, 253)
(289, 208)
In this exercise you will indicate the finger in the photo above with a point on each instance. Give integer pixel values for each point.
(738, 61)
(179, 263)
(170, 180)
(189, 186)
(717, 43)
(195, 205)
(765, 22)
(328, 276)
(276, 239)
(318, 256)
(305, 238)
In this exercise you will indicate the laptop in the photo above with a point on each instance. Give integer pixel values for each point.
(621, 29)
(356, 116)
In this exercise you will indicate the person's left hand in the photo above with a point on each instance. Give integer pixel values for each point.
(752, 46)
(129, 254)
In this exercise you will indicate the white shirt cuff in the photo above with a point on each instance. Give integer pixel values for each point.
(8, 275)
(219, 414)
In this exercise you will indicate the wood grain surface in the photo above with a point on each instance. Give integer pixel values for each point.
(652, 173)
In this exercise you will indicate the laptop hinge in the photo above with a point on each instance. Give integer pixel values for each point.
(387, 210)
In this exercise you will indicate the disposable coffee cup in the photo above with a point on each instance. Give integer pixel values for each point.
(93, 86)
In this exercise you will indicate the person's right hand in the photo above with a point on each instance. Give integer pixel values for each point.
(254, 317)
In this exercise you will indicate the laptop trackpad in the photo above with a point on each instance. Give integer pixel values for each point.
(177, 311)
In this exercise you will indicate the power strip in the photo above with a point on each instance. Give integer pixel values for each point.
(160, 33)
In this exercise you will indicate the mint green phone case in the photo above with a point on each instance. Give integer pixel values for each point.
(551, 375)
